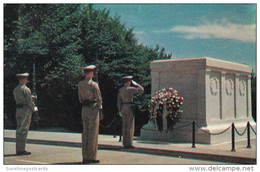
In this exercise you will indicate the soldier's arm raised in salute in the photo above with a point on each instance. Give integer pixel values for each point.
(137, 89)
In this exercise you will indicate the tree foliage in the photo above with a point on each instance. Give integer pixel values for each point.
(61, 39)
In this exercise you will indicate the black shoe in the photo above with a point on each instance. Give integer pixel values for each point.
(90, 161)
(85, 162)
(129, 147)
(23, 153)
(95, 161)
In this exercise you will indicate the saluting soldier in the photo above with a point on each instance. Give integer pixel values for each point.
(124, 105)
(24, 110)
(91, 100)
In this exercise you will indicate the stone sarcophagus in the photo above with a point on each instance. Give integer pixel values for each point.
(216, 94)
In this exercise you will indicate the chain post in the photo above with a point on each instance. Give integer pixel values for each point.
(233, 138)
(193, 135)
(248, 135)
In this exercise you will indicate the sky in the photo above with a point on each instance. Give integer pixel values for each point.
(221, 31)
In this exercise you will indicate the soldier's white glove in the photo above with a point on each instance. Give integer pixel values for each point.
(120, 114)
(35, 109)
(137, 85)
(134, 83)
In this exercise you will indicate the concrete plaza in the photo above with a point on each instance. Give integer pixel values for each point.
(65, 148)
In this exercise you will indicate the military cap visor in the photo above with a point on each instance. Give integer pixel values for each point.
(90, 67)
(127, 77)
(22, 75)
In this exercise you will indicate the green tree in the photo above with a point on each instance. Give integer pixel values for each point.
(62, 38)
(47, 34)
(10, 15)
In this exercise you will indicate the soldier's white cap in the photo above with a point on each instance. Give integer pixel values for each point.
(90, 67)
(127, 77)
(22, 74)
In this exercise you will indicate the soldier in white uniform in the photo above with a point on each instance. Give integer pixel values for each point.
(91, 100)
(24, 110)
(124, 105)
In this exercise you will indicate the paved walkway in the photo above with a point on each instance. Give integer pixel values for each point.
(64, 148)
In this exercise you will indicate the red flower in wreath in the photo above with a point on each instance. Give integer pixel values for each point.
(173, 102)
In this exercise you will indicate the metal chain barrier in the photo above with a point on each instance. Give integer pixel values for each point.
(170, 129)
(252, 128)
(233, 130)
(109, 125)
(194, 125)
(240, 134)
(183, 126)
(221, 132)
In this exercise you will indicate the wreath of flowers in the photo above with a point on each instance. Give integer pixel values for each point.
(173, 101)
